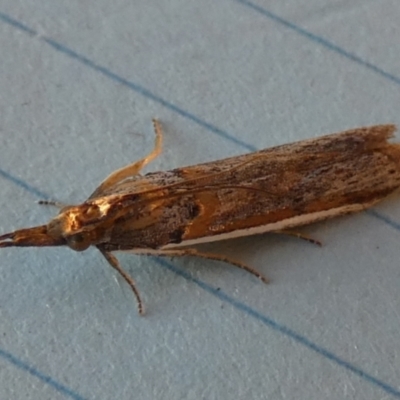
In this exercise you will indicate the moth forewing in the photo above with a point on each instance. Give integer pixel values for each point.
(282, 187)
(271, 190)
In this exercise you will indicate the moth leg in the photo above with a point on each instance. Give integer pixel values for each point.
(112, 260)
(134, 168)
(209, 256)
(52, 203)
(300, 236)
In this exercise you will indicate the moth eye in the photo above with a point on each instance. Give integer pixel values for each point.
(78, 242)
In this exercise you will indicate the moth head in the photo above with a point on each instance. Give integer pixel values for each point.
(78, 241)
(77, 225)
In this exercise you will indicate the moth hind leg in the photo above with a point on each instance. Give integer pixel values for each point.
(134, 168)
(300, 236)
(112, 260)
(209, 256)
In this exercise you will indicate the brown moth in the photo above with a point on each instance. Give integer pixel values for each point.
(272, 190)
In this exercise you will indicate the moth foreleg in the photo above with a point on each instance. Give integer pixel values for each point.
(208, 256)
(300, 236)
(112, 260)
(134, 168)
(52, 203)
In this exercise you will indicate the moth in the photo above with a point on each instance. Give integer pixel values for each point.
(272, 190)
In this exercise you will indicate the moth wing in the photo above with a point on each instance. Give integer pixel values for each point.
(277, 188)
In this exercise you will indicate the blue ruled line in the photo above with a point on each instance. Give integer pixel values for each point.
(385, 219)
(40, 375)
(276, 326)
(16, 24)
(319, 40)
(22, 184)
(148, 94)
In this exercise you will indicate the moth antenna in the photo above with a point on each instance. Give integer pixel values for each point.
(212, 175)
(216, 174)
(204, 189)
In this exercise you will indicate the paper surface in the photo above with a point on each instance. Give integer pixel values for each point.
(80, 82)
